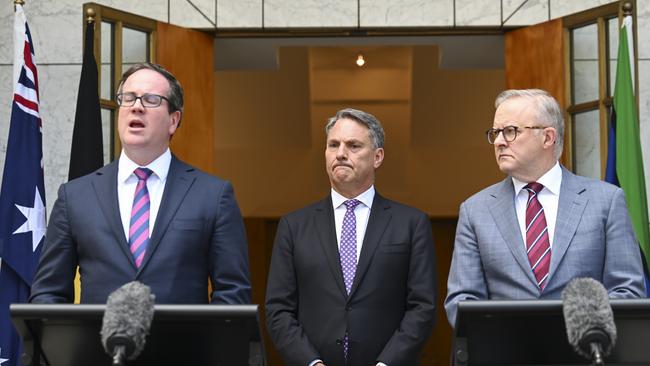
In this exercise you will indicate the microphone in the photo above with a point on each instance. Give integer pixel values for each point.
(589, 319)
(126, 322)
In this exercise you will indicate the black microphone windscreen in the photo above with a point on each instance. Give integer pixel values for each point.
(128, 316)
(586, 309)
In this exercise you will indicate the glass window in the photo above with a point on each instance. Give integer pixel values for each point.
(107, 127)
(586, 145)
(592, 62)
(135, 47)
(612, 50)
(125, 40)
(585, 63)
(107, 70)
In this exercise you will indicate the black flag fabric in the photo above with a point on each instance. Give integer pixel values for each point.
(87, 154)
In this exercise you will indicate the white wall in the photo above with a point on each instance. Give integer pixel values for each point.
(57, 33)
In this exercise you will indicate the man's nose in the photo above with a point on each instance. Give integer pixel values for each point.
(341, 152)
(138, 104)
(500, 140)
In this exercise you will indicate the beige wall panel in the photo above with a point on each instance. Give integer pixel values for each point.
(271, 143)
(264, 108)
(361, 84)
(263, 137)
(450, 158)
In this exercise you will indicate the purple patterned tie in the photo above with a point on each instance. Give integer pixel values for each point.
(348, 254)
(139, 226)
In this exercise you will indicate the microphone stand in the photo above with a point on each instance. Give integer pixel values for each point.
(118, 355)
(596, 354)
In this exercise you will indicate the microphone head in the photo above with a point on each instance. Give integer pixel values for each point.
(127, 319)
(588, 316)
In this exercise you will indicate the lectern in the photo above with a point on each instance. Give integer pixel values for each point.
(532, 332)
(58, 335)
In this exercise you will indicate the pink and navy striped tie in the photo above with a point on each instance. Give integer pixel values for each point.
(139, 226)
(538, 245)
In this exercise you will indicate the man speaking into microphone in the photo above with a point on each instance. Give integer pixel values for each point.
(147, 216)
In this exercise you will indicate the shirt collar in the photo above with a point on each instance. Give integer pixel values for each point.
(551, 180)
(366, 197)
(160, 166)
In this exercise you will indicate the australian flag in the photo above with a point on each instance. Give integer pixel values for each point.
(22, 198)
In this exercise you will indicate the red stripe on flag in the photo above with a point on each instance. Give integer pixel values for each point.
(29, 63)
(26, 102)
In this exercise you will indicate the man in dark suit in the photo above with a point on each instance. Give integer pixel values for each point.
(147, 216)
(352, 278)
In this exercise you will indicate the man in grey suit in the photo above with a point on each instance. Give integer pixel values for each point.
(146, 216)
(527, 236)
(352, 278)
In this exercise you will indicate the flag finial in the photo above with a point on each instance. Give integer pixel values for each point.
(90, 13)
(18, 2)
(627, 8)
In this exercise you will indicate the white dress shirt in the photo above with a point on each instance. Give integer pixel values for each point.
(361, 213)
(549, 198)
(127, 181)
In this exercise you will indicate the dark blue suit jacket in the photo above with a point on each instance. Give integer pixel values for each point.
(198, 234)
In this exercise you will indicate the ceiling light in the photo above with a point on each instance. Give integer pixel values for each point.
(360, 60)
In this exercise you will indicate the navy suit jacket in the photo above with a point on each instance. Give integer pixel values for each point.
(198, 234)
(390, 311)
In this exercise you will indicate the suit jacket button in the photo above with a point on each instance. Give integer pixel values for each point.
(348, 308)
(339, 341)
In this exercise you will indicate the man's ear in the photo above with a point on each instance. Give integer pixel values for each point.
(175, 119)
(550, 137)
(379, 157)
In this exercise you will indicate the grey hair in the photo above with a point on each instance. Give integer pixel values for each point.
(548, 110)
(375, 130)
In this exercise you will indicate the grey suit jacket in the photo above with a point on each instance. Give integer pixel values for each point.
(593, 238)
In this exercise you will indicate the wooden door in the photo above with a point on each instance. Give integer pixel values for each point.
(188, 54)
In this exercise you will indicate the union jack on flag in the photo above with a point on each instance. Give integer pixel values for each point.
(22, 198)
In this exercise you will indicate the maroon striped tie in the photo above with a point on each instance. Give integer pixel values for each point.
(538, 245)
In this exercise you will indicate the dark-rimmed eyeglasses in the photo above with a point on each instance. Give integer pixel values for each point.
(148, 100)
(509, 132)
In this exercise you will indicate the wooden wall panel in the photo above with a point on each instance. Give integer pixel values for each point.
(188, 54)
(435, 121)
(534, 58)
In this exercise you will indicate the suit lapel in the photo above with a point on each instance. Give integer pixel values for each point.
(571, 206)
(179, 181)
(105, 187)
(324, 221)
(505, 217)
(378, 221)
